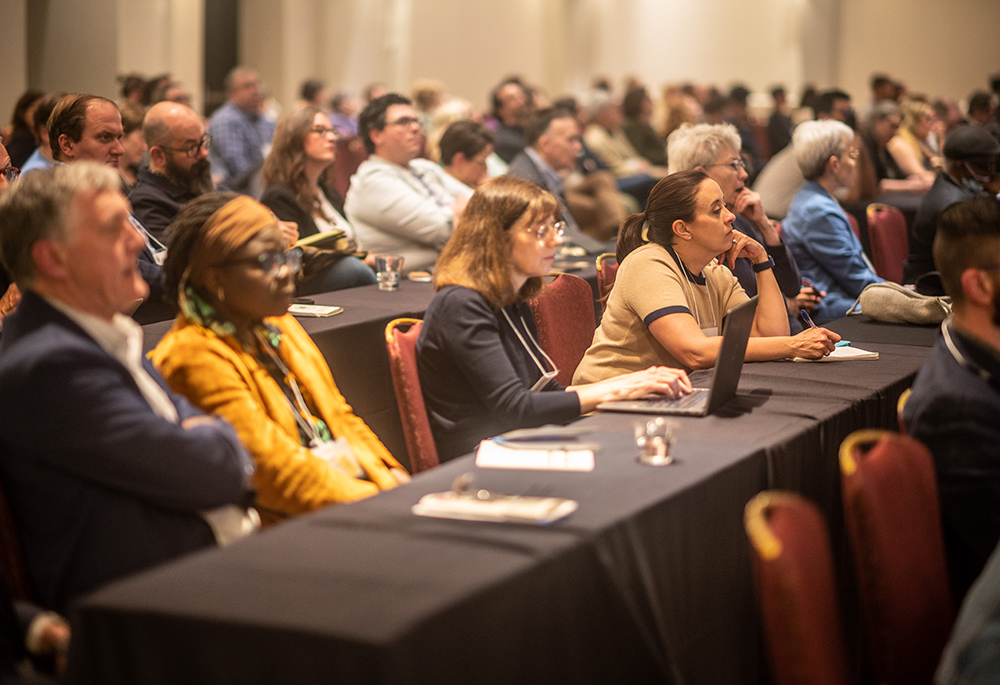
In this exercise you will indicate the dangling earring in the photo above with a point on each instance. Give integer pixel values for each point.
(220, 294)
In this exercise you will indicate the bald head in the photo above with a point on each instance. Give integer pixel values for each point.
(170, 128)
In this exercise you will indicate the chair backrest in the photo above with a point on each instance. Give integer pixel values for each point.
(350, 153)
(894, 525)
(890, 245)
(11, 556)
(402, 347)
(851, 219)
(564, 313)
(796, 590)
(607, 269)
(904, 397)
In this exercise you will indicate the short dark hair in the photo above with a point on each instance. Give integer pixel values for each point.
(968, 236)
(310, 89)
(372, 117)
(632, 102)
(69, 118)
(540, 123)
(43, 111)
(466, 136)
(880, 81)
(495, 95)
(980, 101)
(824, 101)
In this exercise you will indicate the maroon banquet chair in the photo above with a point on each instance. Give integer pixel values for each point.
(11, 556)
(890, 245)
(350, 153)
(894, 527)
(607, 269)
(796, 591)
(402, 347)
(564, 313)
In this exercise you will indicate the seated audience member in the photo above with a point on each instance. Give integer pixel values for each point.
(465, 146)
(637, 108)
(179, 169)
(133, 144)
(738, 115)
(715, 149)
(41, 158)
(781, 178)
(512, 108)
(671, 292)
(481, 368)
(89, 128)
(241, 134)
(106, 471)
(886, 176)
(604, 136)
(397, 203)
(235, 352)
(909, 146)
(20, 137)
(427, 96)
(553, 147)
(344, 116)
(816, 230)
(983, 110)
(956, 396)
(312, 93)
(305, 146)
(970, 163)
(10, 294)
(779, 124)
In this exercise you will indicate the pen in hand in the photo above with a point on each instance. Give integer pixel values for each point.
(807, 319)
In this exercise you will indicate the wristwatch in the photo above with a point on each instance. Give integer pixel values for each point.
(764, 266)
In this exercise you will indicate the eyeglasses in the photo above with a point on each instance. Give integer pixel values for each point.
(10, 173)
(736, 165)
(192, 149)
(404, 121)
(325, 131)
(545, 230)
(271, 262)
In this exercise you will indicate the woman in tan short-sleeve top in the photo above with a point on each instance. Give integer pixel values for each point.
(671, 291)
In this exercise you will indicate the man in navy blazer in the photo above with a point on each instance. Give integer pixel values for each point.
(107, 472)
(956, 396)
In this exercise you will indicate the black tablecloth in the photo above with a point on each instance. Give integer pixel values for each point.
(649, 581)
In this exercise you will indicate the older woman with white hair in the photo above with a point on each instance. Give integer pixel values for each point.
(816, 229)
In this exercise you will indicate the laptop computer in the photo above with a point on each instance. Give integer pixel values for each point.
(736, 327)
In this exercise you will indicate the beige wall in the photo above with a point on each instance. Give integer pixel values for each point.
(939, 48)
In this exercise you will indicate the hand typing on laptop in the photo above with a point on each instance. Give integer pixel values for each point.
(656, 380)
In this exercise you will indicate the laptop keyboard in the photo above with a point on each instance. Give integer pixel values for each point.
(697, 397)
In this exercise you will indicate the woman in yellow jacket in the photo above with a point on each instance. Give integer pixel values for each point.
(235, 352)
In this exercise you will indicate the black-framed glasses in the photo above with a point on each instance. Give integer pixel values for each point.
(545, 230)
(404, 121)
(193, 149)
(270, 262)
(736, 165)
(10, 173)
(325, 131)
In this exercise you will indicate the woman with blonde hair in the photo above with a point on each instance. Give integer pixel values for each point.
(909, 147)
(294, 174)
(234, 351)
(481, 368)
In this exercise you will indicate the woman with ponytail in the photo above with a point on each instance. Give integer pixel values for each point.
(673, 289)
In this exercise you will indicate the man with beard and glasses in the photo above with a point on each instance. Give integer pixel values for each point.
(956, 396)
(179, 169)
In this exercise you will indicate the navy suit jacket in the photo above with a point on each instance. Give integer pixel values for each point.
(99, 485)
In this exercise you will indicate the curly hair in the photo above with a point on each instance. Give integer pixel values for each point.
(286, 163)
(478, 254)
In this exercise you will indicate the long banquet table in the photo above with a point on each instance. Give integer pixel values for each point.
(649, 581)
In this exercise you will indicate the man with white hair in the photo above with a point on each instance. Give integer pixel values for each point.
(107, 471)
(816, 229)
(715, 149)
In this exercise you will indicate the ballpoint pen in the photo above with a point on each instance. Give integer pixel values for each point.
(809, 322)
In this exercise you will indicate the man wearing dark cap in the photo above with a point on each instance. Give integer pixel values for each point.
(970, 156)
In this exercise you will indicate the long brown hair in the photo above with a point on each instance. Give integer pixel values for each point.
(477, 255)
(674, 197)
(286, 163)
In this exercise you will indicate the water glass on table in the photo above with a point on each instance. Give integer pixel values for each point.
(388, 270)
(655, 440)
